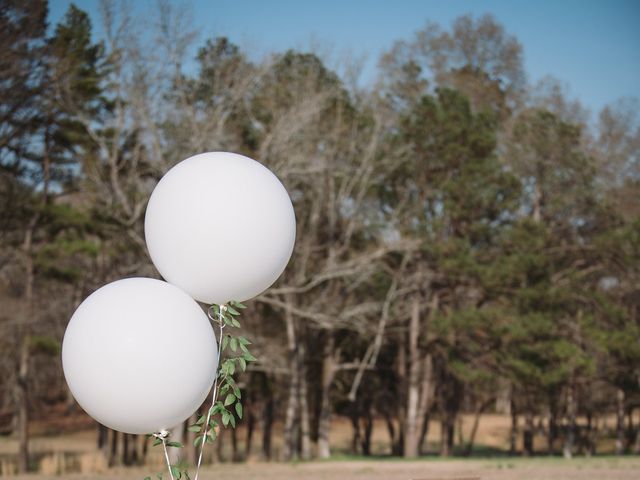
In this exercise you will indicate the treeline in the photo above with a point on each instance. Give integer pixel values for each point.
(467, 242)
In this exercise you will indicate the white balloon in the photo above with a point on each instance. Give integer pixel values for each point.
(220, 226)
(139, 355)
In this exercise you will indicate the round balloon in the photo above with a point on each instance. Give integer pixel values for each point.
(220, 226)
(139, 355)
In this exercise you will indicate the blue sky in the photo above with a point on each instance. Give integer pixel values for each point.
(592, 46)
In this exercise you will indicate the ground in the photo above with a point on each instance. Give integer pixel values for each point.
(77, 450)
(506, 469)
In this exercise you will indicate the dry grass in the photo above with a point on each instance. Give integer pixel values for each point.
(518, 469)
(54, 450)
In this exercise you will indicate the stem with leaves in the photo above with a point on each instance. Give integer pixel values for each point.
(225, 410)
(174, 470)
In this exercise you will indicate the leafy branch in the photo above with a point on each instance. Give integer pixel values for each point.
(226, 396)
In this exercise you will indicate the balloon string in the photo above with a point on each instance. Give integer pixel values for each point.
(162, 435)
(215, 387)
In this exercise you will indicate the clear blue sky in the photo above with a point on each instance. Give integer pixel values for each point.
(591, 45)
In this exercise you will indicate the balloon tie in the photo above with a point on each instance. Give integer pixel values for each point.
(220, 321)
(162, 436)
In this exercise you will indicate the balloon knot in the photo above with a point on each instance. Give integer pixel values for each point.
(162, 434)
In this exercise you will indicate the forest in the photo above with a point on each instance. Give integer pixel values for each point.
(467, 242)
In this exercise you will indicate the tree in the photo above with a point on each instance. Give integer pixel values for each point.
(41, 168)
(454, 197)
(477, 57)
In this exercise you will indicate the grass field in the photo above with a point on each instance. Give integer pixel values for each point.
(492, 439)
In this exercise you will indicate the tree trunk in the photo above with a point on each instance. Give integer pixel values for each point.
(412, 430)
(219, 450)
(569, 438)
(251, 422)
(631, 431)
(368, 431)
(356, 437)
(476, 422)
(235, 453)
(190, 452)
(324, 422)
(451, 393)
(21, 393)
(398, 447)
(513, 434)
(447, 435)
(552, 434)
(395, 435)
(424, 432)
(527, 434)
(590, 444)
(113, 449)
(503, 397)
(127, 447)
(620, 422)
(290, 450)
(103, 437)
(305, 422)
(22, 402)
(177, 435)
(266, 425)
(636, 445)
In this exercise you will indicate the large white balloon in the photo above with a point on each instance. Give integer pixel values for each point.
(139, 355)
(220, 226)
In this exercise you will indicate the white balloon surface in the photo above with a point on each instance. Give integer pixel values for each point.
(139, 355)
(220, 226)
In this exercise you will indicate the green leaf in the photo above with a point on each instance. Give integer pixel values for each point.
(243, 363)
(174, 444)
(234, 344)
(249, 358)
(198, 441)
(195, 428)
(147, 478)
(225, 342)
(157, 442)
(238, 304)
(201, 420)
(232, 310)
(225, 418)
(232, 420)
(239, 409)
(235, 323)
(230, 399)
(244, 341)
(236, 391)
(176, 472)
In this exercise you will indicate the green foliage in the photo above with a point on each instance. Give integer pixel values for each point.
(221, 411)
(45, 345)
